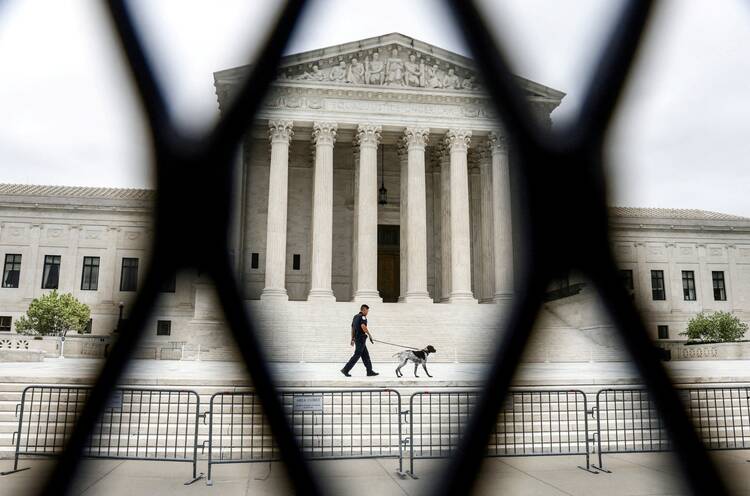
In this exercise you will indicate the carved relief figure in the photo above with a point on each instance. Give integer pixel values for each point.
(394, 70)
(414, 71)
(356, 73)
(315, 75)
(338, 72)
(451, 81)
(468, 83)
(433, 77)
(375, 70)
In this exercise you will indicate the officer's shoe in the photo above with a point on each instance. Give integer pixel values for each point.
(372, 373)
(345, 373)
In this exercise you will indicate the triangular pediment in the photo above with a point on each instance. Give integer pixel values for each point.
(390, 61)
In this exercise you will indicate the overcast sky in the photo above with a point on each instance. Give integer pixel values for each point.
(680, 140)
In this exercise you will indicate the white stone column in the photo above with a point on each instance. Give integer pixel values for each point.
(416, 216)
(403, 230)
(437, 221)
(475, 224)
(458, 143)
(324, 135)
(445, 227)
(487, 283)
(368, 137)
(280, 134)
(501, 219)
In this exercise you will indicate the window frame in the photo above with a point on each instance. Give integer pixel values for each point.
(10, 323)
(689, 292)
(51, 262)
(130, 269)
(659, 329)
(10, 267)
(160, 331)
(722, 288)
(657, 276)
(93, 275)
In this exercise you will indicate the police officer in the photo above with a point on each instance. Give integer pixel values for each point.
(360, 334)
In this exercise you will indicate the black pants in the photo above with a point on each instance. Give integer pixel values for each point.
(360, 350)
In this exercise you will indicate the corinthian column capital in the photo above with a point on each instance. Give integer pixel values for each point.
(458, 139)
(416, 136)
(280, 131)
(324, 133)
(368, 135)
(498, 143)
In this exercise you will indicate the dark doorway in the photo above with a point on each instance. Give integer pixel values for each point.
(389, 267)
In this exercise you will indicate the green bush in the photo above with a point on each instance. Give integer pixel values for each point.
(715, 327)
(52, 314)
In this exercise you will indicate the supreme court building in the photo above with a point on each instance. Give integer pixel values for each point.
(375, 172)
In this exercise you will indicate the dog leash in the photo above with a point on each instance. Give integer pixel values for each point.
(394, 344)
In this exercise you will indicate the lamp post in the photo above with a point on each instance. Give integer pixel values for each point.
(62, 343)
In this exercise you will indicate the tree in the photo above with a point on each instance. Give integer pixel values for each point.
(54, 313)
(715, 327)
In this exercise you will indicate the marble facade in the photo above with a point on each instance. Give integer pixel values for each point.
(314, 239)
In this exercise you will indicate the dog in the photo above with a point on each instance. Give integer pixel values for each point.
(416, 357)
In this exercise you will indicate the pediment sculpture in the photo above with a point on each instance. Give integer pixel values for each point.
(397, 69)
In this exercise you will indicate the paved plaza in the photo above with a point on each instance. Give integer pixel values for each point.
(169, 372)
(632, 474)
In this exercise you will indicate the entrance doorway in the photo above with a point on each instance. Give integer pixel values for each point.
(389, 267)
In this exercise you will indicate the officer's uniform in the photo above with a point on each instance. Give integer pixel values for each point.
(360, 345)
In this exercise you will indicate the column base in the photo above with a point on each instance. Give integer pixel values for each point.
(502, 297)
(367, 294)
(274, 294)
(418, 297)
(321, 295)
(462, 297)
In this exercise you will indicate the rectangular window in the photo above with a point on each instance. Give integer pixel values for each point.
(254, 261)
(90, 275)
(720, 291)
(89, 325)
(169, 284)
(627, 280)
(12, 271)
(295, 261)
(5, 322)
(129, 274)
(663, 331)
(657, 285)
(688, 285)
(51, 273)
(163, 327)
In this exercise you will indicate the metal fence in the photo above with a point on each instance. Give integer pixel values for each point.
(137, 424)
(328, 424)
(530, 423)
(628, 421)
(548, 170)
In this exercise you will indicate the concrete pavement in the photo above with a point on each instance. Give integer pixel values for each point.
(228, 374)
(632, 474)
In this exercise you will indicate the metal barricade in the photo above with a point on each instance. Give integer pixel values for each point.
(138, 424)
(627, 421)
(328, 424)
(531, 423)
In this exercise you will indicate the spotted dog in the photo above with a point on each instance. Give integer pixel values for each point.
(416, 357)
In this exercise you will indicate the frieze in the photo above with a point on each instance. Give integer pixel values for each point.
(295, 99)
(399, 67)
